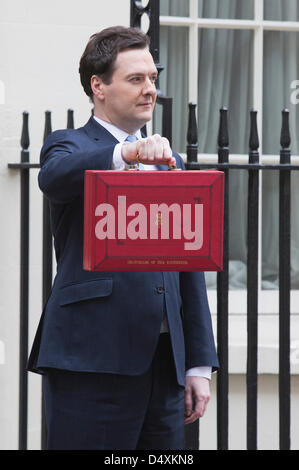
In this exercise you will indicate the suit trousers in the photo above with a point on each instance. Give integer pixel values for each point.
(93, 411)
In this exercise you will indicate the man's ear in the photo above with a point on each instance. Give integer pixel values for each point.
(97, 86)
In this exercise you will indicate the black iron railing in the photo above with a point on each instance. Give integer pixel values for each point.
(253, 167)
(24, 166)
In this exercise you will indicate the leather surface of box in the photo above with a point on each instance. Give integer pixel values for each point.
(153, 220)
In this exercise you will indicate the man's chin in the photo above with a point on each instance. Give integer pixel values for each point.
(145, 117)
(138, 121)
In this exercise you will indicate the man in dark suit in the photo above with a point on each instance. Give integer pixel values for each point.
(114, 347)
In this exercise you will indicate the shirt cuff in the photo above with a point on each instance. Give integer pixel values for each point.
(200, 372)
(117, 161)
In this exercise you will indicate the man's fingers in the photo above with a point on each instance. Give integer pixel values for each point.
(159, 149)
(129, 151)
(197, 412)
(151, 150)
(143, 149)
(197, 396)
(188, 402)
(155, 150)
(201, 405)
(190, 419)
(167, 152)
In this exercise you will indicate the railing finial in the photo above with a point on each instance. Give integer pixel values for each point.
(70, 119)
(25, 141)
(223, 140)
(192, 137)
(253, 138)
(48, 124)
(285, 137)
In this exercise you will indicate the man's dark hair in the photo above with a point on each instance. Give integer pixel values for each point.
(101, 52)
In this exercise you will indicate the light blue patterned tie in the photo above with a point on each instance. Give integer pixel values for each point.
(133, 138)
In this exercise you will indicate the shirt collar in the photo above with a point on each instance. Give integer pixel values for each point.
(119, 134)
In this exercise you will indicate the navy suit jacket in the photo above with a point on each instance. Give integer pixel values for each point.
(109, 321)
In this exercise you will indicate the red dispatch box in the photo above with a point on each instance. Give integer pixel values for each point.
(153, 220)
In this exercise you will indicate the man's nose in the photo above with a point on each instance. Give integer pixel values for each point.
(149, 87)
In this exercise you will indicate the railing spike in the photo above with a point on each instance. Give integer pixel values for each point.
(253, 138)
(192, 134)
(70, 119)
(285, 138)
(25, 141)
(192, 125)
(223, 140)
(48, 124)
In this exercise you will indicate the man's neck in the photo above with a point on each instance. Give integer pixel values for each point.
(118, 133)
(129, 130)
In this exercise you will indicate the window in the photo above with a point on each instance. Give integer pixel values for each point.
(242, 54)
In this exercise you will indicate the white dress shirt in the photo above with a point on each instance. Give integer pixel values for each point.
(119, 164)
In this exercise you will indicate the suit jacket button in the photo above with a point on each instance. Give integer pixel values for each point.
(160, 289)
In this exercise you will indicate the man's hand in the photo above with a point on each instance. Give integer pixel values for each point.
(154, 150)
(197, 389)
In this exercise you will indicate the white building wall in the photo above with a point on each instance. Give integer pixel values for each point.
(40, 46)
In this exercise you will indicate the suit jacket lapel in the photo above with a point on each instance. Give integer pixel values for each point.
(98, 133)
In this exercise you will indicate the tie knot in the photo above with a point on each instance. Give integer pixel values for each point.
(131, 138)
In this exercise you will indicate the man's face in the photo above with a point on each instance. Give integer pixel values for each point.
(128, 101)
